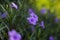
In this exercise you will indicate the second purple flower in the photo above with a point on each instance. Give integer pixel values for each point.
(13, 35)
(33, 17)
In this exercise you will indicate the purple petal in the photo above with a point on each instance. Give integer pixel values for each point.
(35, 16)
(32, 14)
(31, 11)
(42, 24)
(32, 20)
(33, 28)
(13, 35)
(3, 15)
(11, 32)
(43, 11)
(51, 38)
(56, 20)
(14, 5)
(11, 38)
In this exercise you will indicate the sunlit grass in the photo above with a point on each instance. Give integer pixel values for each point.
(54, 6)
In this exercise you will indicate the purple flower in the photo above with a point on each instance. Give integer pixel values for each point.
(56, 20)
(51, 38)
(32, 20)
(43, 11)
(35, 16)
(3, 15)
(13, 35)
(33, 28)
(14, 5)
(32, 14)
(31, 11)
(42, 24)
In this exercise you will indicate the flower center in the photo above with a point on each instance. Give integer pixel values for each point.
(32, 20)
(15, 37)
